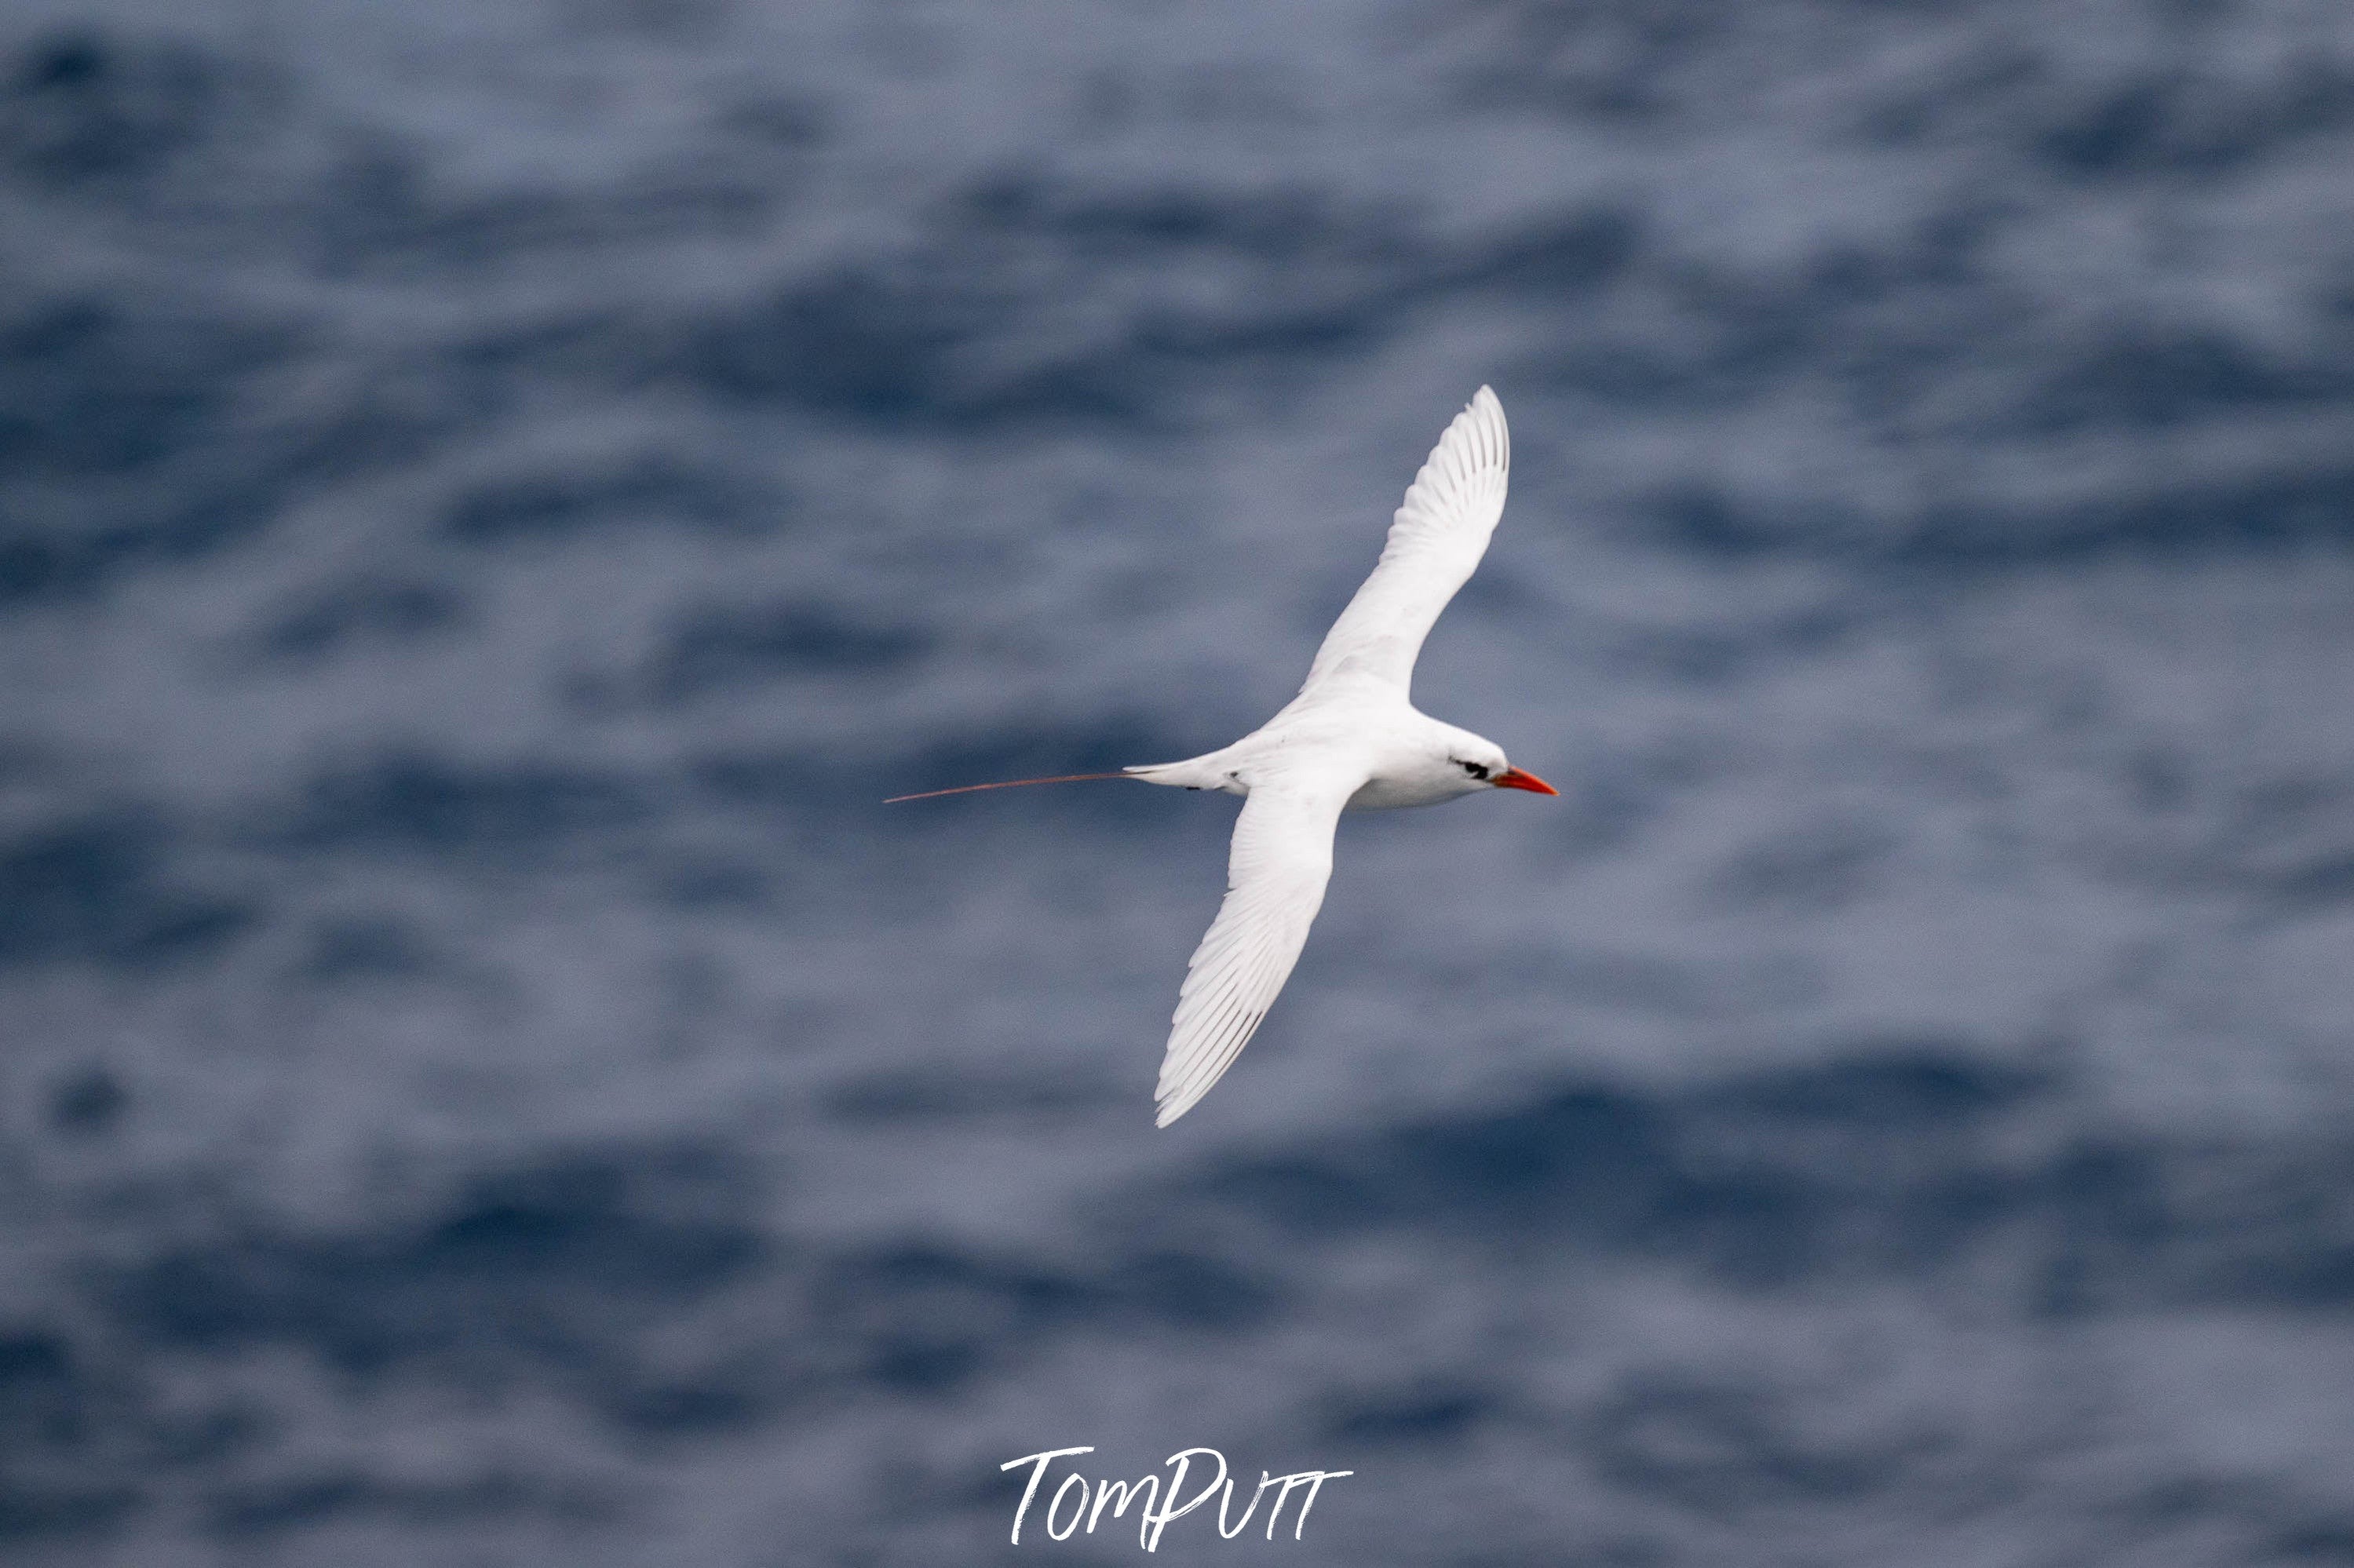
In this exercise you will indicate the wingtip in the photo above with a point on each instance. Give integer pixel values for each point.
(1174, 1100)
(1485, 408)
(1170, 1101)
(1480, 433)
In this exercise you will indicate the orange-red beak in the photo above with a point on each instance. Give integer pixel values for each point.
(1513, 778)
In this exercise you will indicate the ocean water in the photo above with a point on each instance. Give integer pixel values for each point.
(493, 496)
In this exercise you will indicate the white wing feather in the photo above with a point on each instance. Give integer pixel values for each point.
(1434, 545)
(1281, 859)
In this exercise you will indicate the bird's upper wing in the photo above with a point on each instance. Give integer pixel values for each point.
(1281, 859)
(1435, 544)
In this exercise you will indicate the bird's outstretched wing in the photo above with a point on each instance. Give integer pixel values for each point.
(1282, 857)
(1435, 544)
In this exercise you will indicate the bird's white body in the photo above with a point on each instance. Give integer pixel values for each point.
(1352, 740)
(1398, 755)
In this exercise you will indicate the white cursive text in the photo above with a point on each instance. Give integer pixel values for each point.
(1076, 1500)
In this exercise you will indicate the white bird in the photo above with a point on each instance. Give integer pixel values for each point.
(1351, 741)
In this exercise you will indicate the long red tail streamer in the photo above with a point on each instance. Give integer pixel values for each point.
(1008, 784)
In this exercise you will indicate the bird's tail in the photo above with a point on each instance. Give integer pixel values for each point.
(1204, 772)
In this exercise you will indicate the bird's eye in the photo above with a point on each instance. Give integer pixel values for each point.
(1477, 769)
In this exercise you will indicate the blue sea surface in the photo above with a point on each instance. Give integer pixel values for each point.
(493, 496)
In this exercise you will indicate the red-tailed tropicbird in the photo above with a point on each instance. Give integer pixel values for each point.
(1351, 741)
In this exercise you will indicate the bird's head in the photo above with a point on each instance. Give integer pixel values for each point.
(1481, 762)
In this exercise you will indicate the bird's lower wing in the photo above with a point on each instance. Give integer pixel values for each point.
(1282, 857)
(1434, 545)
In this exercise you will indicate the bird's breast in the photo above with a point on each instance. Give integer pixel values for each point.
(1384, 792)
